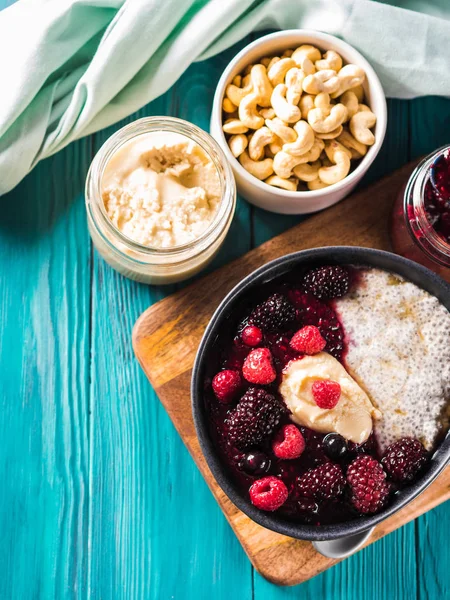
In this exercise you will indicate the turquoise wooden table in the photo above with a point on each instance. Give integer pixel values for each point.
(100, 499)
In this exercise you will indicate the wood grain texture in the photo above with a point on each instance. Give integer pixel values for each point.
(80, 515)
(166, 338)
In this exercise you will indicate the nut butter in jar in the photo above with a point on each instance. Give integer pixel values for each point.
(160, 198)
(420, 222)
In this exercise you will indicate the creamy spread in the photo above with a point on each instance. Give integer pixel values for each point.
(351, 417)
(398, 340)
(161, 189)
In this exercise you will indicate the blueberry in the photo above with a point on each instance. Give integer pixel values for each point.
(335, 446)
(255, 463)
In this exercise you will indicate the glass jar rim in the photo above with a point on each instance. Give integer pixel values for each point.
(170, 125)
(415, 193)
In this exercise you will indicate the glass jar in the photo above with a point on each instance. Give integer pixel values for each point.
(412, 234)
(158, 265)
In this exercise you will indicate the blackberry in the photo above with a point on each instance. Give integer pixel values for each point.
(369, 488)
(327, 282)
(255, 418)
(404, 459)
(276, 313)
(322, 483)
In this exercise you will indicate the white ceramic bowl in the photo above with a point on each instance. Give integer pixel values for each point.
(274, 199)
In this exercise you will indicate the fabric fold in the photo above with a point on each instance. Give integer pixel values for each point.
(76, 66)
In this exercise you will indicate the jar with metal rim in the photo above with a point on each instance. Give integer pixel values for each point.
(420, 222)
(157, 265)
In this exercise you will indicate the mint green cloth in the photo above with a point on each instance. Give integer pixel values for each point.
(71, 67)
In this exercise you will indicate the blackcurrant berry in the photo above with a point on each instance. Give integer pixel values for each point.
(335, 446)
(255, 463)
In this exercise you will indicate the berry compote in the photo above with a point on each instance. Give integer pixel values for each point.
(303, 475)
(279, 310)
(420, 224)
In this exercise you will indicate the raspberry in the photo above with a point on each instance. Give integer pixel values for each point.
(327, 282)
(255, 418)
(268, 493)
(367, 479)
(404, 459)
(326, 393)
(252, 335)
(258, 367)
(308, 340)
(322, 483)
(275, 313)
(226, 384)
(289, 443)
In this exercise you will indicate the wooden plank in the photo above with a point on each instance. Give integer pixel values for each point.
(151, 511)
(44, 394)
(354, 577)
(429, 129)
(166, 337)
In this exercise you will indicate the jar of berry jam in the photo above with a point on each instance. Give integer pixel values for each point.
(420, 225)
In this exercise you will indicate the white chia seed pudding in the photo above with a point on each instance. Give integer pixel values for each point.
(398, 339)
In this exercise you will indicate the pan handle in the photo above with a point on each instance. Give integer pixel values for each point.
(344, 546)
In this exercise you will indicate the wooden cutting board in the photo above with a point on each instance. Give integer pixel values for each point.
(166, 337)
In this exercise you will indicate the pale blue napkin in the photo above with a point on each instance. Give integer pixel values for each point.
(71, 67)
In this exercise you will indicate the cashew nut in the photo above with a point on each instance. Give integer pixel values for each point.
(265, 61)
(316, 184)
(332, 146)
(228, 106)
(262, 87)
(272, 61)
(260, 139)
(310, 52)
(238, 143)
(283, 131)
(356, 148)
(276, 145)
(304, 141)
(234, 126)
(306, 104)
(248, 112)
(322, 101)
(248, 69)
(331, 60)
(308, 172)
(336, 172)
(331, 134)
(360, 125)
(278, 70)
(267, 113)
(294, 82)
(359, 92)
(237, 80)
(322, 81)
(348, 77)
(283, 163)
(287, 53)
(246, 80)
(314, 153)
(306, 65)
(285, 111)
(286, 184)
(261, 169)
(350, 101)
(236, 94)
(323, 123)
